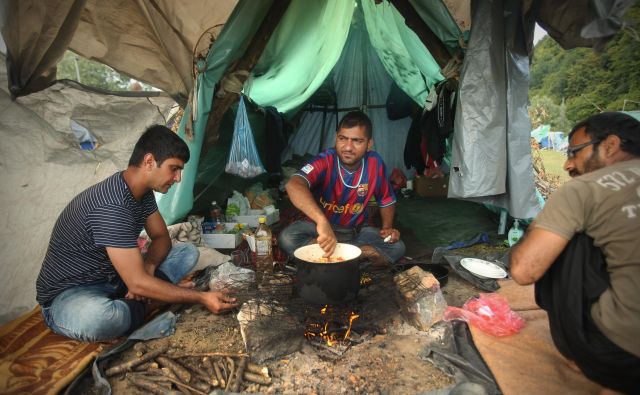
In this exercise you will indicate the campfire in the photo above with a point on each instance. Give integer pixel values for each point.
(335, 328)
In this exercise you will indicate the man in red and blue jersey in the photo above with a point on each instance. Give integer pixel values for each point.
(333, 190)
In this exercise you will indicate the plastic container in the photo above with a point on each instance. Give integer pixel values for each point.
(515, 233)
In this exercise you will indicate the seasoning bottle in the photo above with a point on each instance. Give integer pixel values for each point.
(264, 255)
(216, 215)
(515, 233)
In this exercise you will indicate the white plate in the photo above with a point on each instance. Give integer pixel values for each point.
(483, 268)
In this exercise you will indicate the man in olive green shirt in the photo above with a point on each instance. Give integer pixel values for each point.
(583, 253)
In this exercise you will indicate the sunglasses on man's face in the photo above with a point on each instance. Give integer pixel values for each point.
(572, 151)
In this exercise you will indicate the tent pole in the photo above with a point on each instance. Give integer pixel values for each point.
(247, 62)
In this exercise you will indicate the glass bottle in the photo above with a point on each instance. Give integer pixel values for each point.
(216, 215)
(264, 255)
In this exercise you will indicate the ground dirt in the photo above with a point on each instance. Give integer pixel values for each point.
(387, 362)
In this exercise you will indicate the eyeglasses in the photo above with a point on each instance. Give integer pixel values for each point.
(572, 151)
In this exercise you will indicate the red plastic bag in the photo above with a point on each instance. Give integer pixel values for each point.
(490, 313)
(398, 179)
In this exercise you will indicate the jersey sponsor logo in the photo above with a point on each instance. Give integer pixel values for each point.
(348, 208)
(362, 189)
(307, 168)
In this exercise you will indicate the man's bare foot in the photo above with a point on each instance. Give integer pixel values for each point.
(374, 257)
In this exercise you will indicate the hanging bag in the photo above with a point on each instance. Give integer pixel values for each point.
(244, 160)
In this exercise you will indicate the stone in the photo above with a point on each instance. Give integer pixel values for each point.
(420, 297)
(269, 330)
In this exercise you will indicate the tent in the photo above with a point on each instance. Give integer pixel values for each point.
(355, 48)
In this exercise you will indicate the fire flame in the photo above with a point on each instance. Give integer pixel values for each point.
(322, 330)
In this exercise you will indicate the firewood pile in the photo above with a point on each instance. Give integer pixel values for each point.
(171, 371)
(545, 182)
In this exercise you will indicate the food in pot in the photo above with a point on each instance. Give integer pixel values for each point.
(330, 259)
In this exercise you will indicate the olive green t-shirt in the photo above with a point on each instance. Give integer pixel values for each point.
(605, 204)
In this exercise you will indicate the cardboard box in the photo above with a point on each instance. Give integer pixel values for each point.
(251, 219)
(223, 240)
(431, 187)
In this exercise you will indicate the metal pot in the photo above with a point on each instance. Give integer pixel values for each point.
(328, 283)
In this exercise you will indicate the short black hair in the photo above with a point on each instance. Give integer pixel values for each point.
(162, 143)
(626, 127)
(356, 118)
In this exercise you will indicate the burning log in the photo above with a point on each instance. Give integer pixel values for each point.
(256, 378)
(183, 374)
(128, 365)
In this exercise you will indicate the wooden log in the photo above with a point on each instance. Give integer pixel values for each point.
(146, 366)
(179, 355)
(231, 369)
(249, 59)
(258, 369)
(128, 365)
(201, 373)
(150, 386)
(237, 375)
(183, 374)
(219, 376)
(256, 378)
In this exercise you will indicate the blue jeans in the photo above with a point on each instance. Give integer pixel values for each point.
(302, 233)
(99, 311)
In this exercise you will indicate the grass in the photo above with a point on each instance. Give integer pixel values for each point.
(553, 162)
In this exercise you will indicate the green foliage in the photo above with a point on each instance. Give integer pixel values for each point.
(91, 73)
(586, 81)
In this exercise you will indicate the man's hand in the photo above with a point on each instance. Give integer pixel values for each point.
(218, 302)
(326, 238)
(393, 235)
(139, 298)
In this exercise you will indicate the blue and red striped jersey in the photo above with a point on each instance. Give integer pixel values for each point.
(343, 195)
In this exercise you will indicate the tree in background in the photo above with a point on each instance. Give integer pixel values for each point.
(543, 110)
(583, 82)
(94, 74)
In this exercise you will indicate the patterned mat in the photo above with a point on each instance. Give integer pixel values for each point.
(34, 360)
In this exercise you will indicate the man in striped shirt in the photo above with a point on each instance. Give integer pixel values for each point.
(94, 280)
(333, 190)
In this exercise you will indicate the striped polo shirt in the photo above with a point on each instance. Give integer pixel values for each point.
(104, 215)
(343, 195)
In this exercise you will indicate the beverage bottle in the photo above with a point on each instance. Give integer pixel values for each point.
(264, 255)
(515, 233)
(216, 215)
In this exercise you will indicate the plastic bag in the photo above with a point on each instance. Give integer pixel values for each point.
(488, 312)
(230, 277)
(244, 160)
(237, 204)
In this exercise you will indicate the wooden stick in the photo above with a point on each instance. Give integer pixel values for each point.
(183, 374)
(128, 365)
(237, 375)
(201, 373)
(219, 376)
(258, 369)
(256, 378)
(149, 385)
(232, 366)
(179, 355)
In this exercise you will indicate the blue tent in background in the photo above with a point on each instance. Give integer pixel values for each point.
(550, 140)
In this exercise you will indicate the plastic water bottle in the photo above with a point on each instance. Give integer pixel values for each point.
(515, 233)
(216, 215)
(264, 254)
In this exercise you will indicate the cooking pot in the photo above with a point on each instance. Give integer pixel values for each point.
(328, 282)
